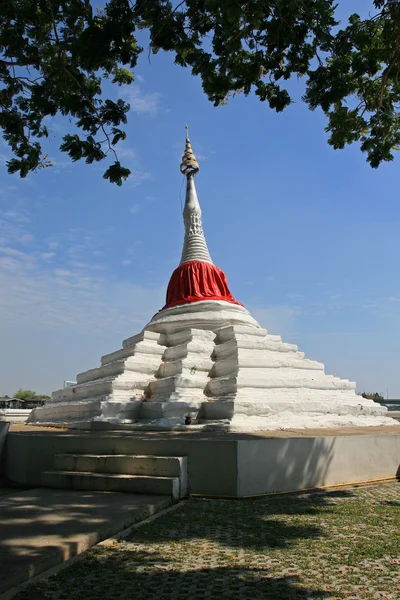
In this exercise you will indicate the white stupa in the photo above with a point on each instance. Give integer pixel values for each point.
(204, 361)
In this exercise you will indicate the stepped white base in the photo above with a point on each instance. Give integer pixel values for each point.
(14, 415)
(209, 365)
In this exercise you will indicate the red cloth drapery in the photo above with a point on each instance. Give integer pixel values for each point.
(195, 281)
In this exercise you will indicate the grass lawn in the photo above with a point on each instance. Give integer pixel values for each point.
(343, 543)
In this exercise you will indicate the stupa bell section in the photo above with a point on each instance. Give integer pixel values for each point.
(204, 362)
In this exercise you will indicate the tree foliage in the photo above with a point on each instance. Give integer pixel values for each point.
(55, 57)
(24, 394)
(375, 396)
(28, 395)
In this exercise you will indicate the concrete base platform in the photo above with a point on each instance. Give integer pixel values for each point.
(224, 464)
(40, 529)
(14, 415)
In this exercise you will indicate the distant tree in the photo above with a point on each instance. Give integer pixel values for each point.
(377, 397)
(55, 57)
(28, 394)
(24, 394)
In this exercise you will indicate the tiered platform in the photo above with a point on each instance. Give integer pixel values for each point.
(210, 364)
(223, 464)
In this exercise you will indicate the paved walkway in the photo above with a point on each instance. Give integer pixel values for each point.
(337, 544)
(41, 528)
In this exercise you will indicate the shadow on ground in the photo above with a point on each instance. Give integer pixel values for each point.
(118, 576)
(256, 524)
(42, 528)
(207, 549)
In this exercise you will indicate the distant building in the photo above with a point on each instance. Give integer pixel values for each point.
(28, 403)
(7, 402)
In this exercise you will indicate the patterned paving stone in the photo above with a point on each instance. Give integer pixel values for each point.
(339, 544)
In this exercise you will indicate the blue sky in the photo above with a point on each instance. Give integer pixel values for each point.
(307, 236)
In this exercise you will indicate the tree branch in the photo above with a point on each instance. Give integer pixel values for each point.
(388, 69)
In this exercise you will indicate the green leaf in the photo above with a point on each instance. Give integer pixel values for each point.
(350, 70)
(116, 173)
(122, 75)
(118, 135)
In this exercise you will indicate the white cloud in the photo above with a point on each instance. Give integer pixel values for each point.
(78, 246)
(47, 256)
(12, 252)
(134, 209)
(53, 125)
(12, 228)
(138, 176)
(129, 159)
(15, 216)
(11, 234)
(142, 103)
(59, 163)
(53, 245)
(132, 251)
(278, 320)
(60, 320)
(126, 152)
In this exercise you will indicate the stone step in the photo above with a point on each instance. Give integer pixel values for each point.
(234, 346)
(86, 410)
(139, 364)
(231, 331)
(212, 411)
(190, 336)
(144, 336)
(167, 385)
(270, 360)
(221, 386)
(143, 350)
(150, 411)
(127, 464)
(188, 366)
(112, 482)
(125, 385)
(61, 412)
(191, 349)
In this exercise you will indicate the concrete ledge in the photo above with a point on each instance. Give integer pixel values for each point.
(112, 482)
(129, 464)
(224, 464)
(295, 464)
(14, 415)
(40, 529)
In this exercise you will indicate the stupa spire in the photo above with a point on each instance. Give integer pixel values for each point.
(196, 279)
(189, 164)
(194, 245)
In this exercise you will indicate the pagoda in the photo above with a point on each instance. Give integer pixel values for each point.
(204, 362)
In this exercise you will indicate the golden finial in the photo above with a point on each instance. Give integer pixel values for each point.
(189, 164)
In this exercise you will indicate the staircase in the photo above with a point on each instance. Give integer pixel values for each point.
(134, 474)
